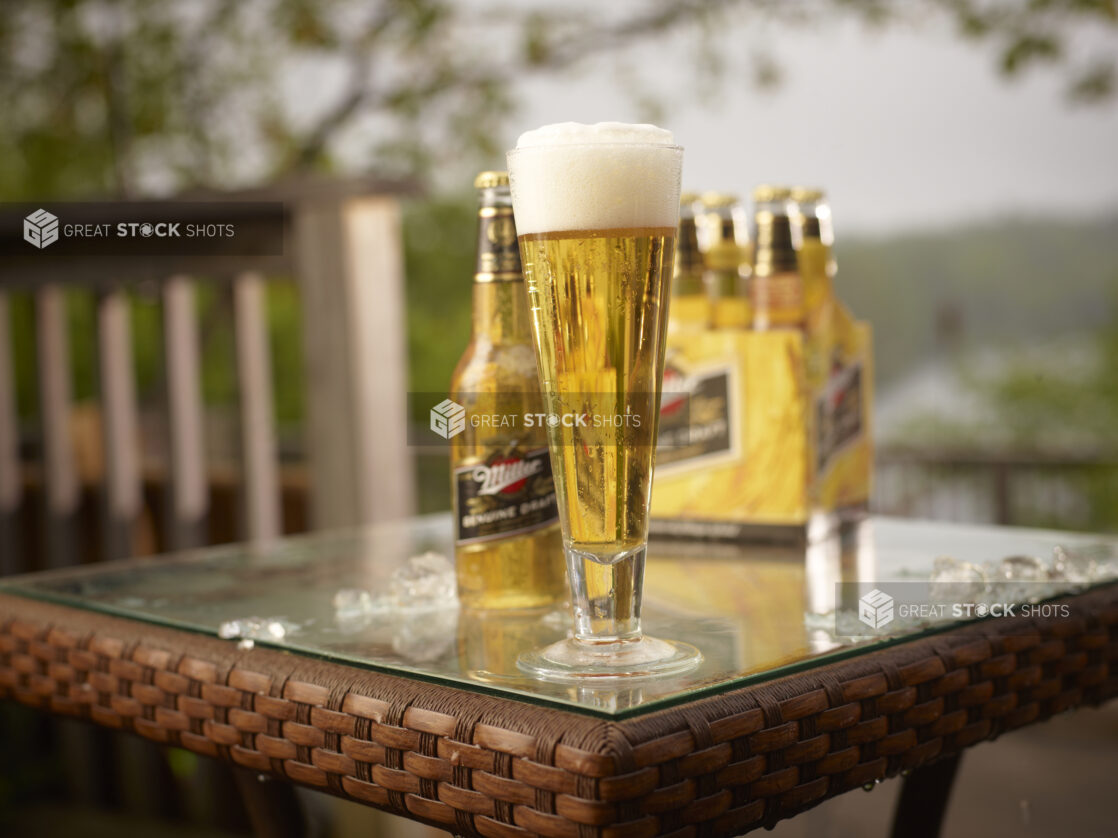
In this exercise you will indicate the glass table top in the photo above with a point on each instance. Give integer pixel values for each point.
(756, 612)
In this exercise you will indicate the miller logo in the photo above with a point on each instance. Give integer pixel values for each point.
(511, 493)
(40, 228)
(505, 476)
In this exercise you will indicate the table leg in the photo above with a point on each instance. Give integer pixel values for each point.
(923, 801)
(272, 806)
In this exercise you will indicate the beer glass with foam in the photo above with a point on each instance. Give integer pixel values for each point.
(597, 207)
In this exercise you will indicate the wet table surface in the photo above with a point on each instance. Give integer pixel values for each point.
(756, 612)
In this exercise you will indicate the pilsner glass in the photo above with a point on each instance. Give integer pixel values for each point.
(596, 209)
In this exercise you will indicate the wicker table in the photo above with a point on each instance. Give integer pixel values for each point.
(429, 719)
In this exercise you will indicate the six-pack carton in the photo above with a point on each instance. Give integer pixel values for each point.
(750, 447)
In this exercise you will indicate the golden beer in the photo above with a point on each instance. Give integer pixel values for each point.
(507, 541)
(600, 370)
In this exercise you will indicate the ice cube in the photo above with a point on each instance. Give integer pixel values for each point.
(425, 581)
(230, 629)
(1074, 565)
(256, 628)
(1022, 569)
(953, 580)
(1088, 562)
(1021, 579)
(1106, 563)
(352, 602)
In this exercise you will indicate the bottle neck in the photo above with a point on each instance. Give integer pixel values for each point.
(688, 258)
(775, 253)
(498, 253)
(813, 237)
(727, 270)
(687, 275)
(500, 300)
(501, 312)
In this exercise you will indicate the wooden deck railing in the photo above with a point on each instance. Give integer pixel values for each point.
(344, 248)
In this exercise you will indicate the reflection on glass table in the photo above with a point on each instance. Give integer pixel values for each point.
(362, 597)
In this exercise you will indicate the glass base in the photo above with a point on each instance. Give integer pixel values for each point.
(572, 661)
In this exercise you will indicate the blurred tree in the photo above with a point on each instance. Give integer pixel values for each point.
(1064, 399)
(1025, 280)
(129, 97)
(1049, 415)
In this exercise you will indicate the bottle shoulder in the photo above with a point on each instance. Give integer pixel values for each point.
(486, 366)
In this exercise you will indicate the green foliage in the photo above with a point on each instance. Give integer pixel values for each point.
(1062, 401)
(1009, 280)
(127, 97)
(147, 338)
(285, 336)
(21, 316)
(214, 317)
(440, 239)
(1061, 408)
(213, 305)
(1032, 400)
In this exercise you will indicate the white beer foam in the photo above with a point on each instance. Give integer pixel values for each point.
(607, 176)
(576, 133)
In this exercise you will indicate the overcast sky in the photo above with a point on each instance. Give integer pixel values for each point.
(904, 128)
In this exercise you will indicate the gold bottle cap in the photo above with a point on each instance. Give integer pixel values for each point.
(807, 194)
(767, 192)
(688, 198)
(713, 200)
(491, 180)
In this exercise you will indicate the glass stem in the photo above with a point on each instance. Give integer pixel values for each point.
(606, 594)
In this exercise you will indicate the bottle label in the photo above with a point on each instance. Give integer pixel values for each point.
(838, 414)
(498, 253)
(697, 418)
(778, 300)
(510, 494)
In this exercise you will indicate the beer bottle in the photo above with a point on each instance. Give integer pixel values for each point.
(507, 539)
(690, 307)
(813, 237)
(776, 290)
(724, 240)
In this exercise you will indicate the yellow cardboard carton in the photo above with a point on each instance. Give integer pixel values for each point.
(748, 449)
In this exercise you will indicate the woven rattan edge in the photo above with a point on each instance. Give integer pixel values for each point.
(900, 707)
(392, 742)
(483, 765)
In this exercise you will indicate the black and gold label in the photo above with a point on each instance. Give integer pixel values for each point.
(498, 254)
(510, 494)
(838, 414)
(696, 420)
